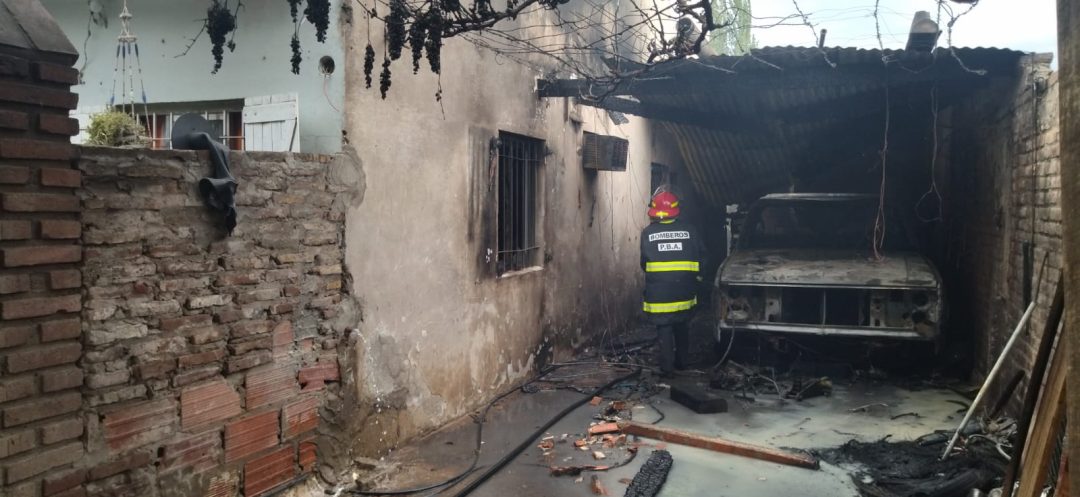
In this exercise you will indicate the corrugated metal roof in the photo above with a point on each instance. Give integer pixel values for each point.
(787, 99)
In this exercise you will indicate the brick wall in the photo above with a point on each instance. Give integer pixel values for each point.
(996, 161)
(41, 422)
(206, 357)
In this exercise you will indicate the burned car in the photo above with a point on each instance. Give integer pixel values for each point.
(804, 263)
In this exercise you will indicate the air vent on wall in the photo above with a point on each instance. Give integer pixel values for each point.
(605, 153)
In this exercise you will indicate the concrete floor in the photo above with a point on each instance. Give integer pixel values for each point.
(810, 424)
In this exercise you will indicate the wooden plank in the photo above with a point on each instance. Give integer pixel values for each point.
(1044, 435)
(720, 445)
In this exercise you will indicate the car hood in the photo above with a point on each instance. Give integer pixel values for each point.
(827, 268)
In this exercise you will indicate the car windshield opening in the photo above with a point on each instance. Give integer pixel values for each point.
(820, 225)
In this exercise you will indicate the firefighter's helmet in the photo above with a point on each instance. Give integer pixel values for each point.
(664, 205)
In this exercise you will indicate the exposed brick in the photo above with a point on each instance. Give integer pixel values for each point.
(14, 175)
(259, 295)
(155, 368)
(36, 256)
(15, 230)
(37, 307)
(59, 431)
(260, 342)
(188, 377)
(139, 424)
(16, 442)
(43, 357)
(308, 456)
(13, 336)
(16, 67)
(205, 405)
(265, 473)
(249, 361)
(318, 374)
(40, 202)
(16, 388)
(36, 95)
(42, 460)
(270, 386)
(201, 358)
(237, 278)
(229, 316)
(58, 125)
(251, 435)
(62, 329)
(223, 485)
(59, 481)
(301, 416)
(206, 334)
(65, 178)
(41, 407)
(79, 491)
(248, 328)
(185, 322)
(115, 331)
(204, 301)
(56, 73)
(18, 121)
(123, 463)
(283, 339)
(62, 280)
(25, 489)
(17, 148)
(281, 308)
(194, 454)
(61, 379)
(14, 283)
(55, 229)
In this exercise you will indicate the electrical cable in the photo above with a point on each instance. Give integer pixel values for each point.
(480, 438)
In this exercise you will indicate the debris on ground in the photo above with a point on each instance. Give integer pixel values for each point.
(698, 398)
(821, 387)
(598, 455)
(597, 487)
(602, 428)
(652, 475)
(910, 469)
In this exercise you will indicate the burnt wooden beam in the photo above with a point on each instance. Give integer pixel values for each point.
(707, 120)
(719, 445)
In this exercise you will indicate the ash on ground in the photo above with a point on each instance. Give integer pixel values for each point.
(914, 468)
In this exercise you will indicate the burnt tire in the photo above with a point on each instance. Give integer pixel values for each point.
(651, 476)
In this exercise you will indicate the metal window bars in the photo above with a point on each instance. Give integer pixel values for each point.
(520, 158)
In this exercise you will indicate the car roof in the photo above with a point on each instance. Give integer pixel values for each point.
(826, 197)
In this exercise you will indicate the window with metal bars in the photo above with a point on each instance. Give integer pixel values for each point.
(520, 158)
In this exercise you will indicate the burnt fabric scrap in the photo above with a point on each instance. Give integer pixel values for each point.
(218, 190)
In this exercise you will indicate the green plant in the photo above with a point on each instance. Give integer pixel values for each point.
(115, 129)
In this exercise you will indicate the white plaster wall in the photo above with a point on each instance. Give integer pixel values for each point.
(436, 336)
(259, 66)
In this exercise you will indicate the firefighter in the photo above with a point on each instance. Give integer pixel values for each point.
(672, 256)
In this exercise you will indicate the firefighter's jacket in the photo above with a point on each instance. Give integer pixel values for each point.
(672, 255)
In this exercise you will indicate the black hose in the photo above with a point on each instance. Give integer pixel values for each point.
(480, 437)
(527, 442)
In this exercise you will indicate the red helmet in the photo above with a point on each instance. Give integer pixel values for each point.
(665, 205)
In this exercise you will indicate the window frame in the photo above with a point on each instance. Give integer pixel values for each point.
(518, 219)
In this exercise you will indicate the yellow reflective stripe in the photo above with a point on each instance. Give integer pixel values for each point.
(660, 267)
(665, 307)
(674, 204)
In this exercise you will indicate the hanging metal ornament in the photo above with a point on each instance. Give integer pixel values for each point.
(126, 68)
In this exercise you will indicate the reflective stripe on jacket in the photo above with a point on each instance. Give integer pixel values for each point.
(671, 255)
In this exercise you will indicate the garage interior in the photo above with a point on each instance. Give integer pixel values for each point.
(962, 144)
